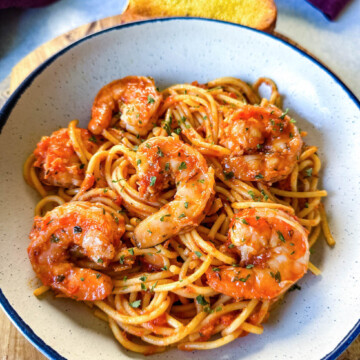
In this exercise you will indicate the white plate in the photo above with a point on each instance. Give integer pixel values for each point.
(317, 322)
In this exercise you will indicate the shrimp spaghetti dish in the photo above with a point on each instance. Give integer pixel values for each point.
(179, 217)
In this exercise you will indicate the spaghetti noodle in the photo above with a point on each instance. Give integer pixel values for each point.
(187, 182)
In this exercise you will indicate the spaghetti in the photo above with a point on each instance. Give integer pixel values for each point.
(196, 186)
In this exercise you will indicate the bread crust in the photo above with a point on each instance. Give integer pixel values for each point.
(258, 14)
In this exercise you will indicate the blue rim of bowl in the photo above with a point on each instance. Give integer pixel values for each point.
(11, 102)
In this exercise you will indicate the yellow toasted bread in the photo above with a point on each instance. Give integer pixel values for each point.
(259, 14)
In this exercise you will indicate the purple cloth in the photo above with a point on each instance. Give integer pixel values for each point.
(330, 8)
(4, 4)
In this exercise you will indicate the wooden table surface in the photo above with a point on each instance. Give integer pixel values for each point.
(13, 346)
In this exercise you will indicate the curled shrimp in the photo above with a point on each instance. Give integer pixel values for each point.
(57, 161)
(76, 224)
(135, 98)
(264, 143)
(274, 254)
(162, 161)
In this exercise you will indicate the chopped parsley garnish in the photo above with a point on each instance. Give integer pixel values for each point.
(276, 276)
(231, 246)
(98, 276)
(149, 231)
(219, 308)
(244, 279)
(284, 114)
(138, 162)
(264, 195)
(309, 172)
(252, 194)
(164, 268)
(143, 278)
(159, 152)
(257, 218)
(131, 251)
(244, 222)
(306, 204)
(82, 279)
(148, 145)
(198, 254)
(77, 229)
(281, 236)
(228, 175)
(182, 166)
(250, 266)
(150, 100)
(216, 269)
(201, 300)
(121, 260)
(186, 204)
(93, 139)
(143, 287)
(164, 216)
(54, 239)
(177, 131)
(181, 216)
(135, 304)
(259, 176)
(167, 166)
(153, 287)
(100, 260)
(152, 180)
(201, 181)
(293, 121)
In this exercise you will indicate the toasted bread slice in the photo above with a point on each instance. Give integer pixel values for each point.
(259, 14)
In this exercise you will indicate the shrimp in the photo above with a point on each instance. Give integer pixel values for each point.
(274, 254)
(81, 225)
(57, 160)
(164, 160)
(264, 142)
(135, 98)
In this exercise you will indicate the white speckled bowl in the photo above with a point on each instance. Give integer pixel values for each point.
(317, 322)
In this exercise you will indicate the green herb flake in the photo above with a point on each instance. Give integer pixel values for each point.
(100, 260)
(164, 216)
(93, 139)
(182, 166)
(186, 204)
(159, 152)
(121, 260)
(245, 278)
(181, 216)
(152, 180)
(143, 286)
(131, 251)
(135, 304)
(284, 114)
(228, 175)
(198, 254)
(252, 194)
(309, 172)
(201, 300)
(244, 222)
(216, 269)
(219, 308)
(82, 279)
(250, 266)
(164, 268)
(138, 162)
(153, 287)
(150, 100)
(167, 166)
(259, 176)
(77, 230)
(98, 276)
(281, 236)
(54, 239)
(231, 246)
(148, 145)
(143, 278)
